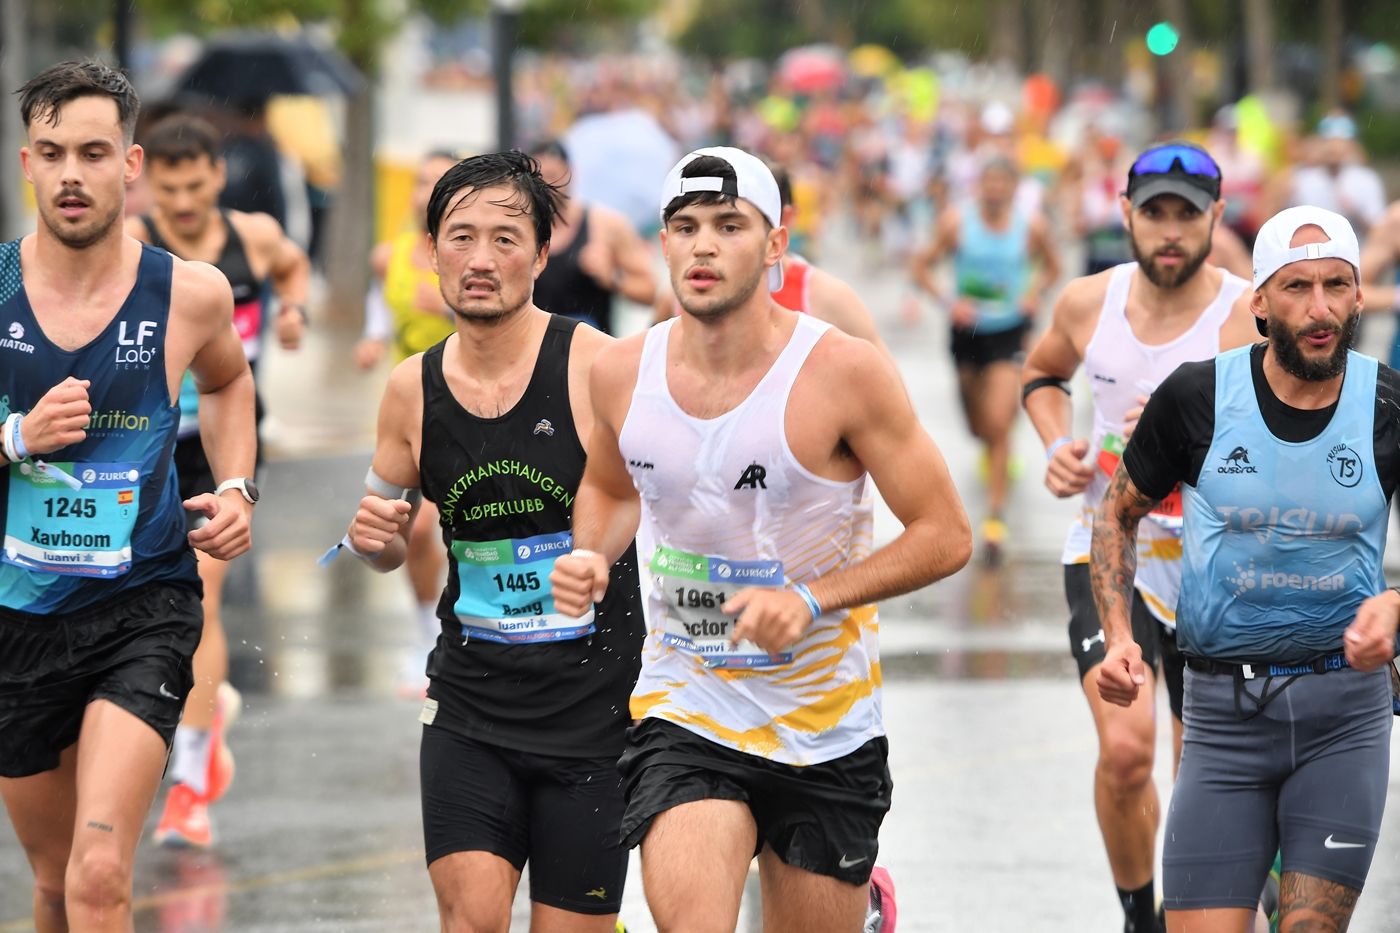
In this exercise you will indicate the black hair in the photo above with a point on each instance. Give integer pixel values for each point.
(550, 147)
(179, 137)
(784, 180)
(705, 166)
(533, 195)
(45, 93)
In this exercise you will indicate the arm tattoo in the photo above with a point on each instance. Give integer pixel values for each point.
(1113, 554)
(1315, 905)
(104, 827)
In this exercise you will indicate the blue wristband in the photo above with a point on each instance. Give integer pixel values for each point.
(1056, 445)
(801, 590)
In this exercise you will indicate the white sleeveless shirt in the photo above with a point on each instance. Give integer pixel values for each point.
(1120, 368)
(726, 505)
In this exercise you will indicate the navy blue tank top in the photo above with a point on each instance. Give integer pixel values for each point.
(109, 518)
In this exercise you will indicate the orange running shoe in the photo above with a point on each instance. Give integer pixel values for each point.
(184, 824)
(221, 767)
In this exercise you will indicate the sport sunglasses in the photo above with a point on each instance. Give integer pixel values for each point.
(1165, 159)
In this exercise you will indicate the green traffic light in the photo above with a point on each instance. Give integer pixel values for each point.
(1162, 39)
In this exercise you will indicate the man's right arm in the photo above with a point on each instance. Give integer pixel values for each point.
(380, 528)
(1045, 385)
(945, 241)
(607, 509)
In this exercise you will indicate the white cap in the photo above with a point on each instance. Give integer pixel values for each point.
(752, 181)
(997, 118)
(1272, 250)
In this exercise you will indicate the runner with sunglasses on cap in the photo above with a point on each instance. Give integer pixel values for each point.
(1130, 326)
(1286, 454)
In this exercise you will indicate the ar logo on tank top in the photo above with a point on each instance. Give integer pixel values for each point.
(1345, 465)
(752, 478)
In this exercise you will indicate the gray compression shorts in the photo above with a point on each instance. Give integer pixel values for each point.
(1307, 775)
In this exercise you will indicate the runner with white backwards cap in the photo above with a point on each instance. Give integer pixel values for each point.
(740, 435)
(1287, 453)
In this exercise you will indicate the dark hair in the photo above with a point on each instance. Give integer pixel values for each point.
(784, 180)
(45, 93)
(705, 166)
(550, 147)
(181, 136)
(534, 196)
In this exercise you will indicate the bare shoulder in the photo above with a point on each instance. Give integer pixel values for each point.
(616, 362)
(261, 231)
(1239, 328)
(199, 289)
(404, 390)
(826, 289)
(588, 343)
(1081, 300)
(851, 367)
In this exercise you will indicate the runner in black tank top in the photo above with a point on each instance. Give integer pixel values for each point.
(514, 477)
(564, 288)
(527, 708)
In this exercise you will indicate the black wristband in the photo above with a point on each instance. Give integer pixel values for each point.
(1041, 383)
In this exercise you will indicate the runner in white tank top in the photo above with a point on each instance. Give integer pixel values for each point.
(1129, 327)
(742, 434)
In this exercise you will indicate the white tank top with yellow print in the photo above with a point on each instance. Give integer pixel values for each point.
(1120, 368)
(726, 505)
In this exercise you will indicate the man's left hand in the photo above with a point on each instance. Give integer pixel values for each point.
(770, 618)
(228, 533)
(290, 323)
(1370, 640)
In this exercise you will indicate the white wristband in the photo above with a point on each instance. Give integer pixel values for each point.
(1056, 445)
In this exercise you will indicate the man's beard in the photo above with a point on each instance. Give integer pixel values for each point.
(723, 307)
(1290, 356)
(84, 236)
(1167, 278)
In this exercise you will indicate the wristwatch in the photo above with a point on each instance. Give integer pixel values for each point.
(243, 484)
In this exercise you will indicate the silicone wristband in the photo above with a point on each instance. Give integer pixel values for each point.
(801, 590)
(1056, 445)
(22, 452)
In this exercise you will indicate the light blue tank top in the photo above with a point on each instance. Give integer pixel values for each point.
(1282, 541)
(993, 268)
(116, 523)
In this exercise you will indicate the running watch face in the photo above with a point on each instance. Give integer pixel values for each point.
(250, 490)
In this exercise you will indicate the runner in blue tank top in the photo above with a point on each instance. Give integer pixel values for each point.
(997, 293)
(99, 599)
(1288, 454)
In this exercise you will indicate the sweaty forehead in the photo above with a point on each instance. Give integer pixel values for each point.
(496, 204)
(1313, 270)
(89, 115)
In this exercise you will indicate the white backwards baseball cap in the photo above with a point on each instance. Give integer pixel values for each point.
(752, 181)
(1272, 250)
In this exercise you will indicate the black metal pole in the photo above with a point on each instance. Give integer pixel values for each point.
(121, 21)
(506, 24)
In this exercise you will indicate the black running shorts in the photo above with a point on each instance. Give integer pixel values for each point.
(822, 818)
(979, 350)
(136, 652)
(1086, 638)
(559, 814)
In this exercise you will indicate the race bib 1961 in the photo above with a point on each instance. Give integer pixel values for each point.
(694, 586)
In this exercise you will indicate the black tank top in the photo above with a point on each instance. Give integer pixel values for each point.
(232, 261)
(564, 288)
(507, 670)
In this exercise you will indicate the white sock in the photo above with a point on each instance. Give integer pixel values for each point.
(191, 767)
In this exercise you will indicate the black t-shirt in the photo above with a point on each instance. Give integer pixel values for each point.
(514, 477)
(1178, 424)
